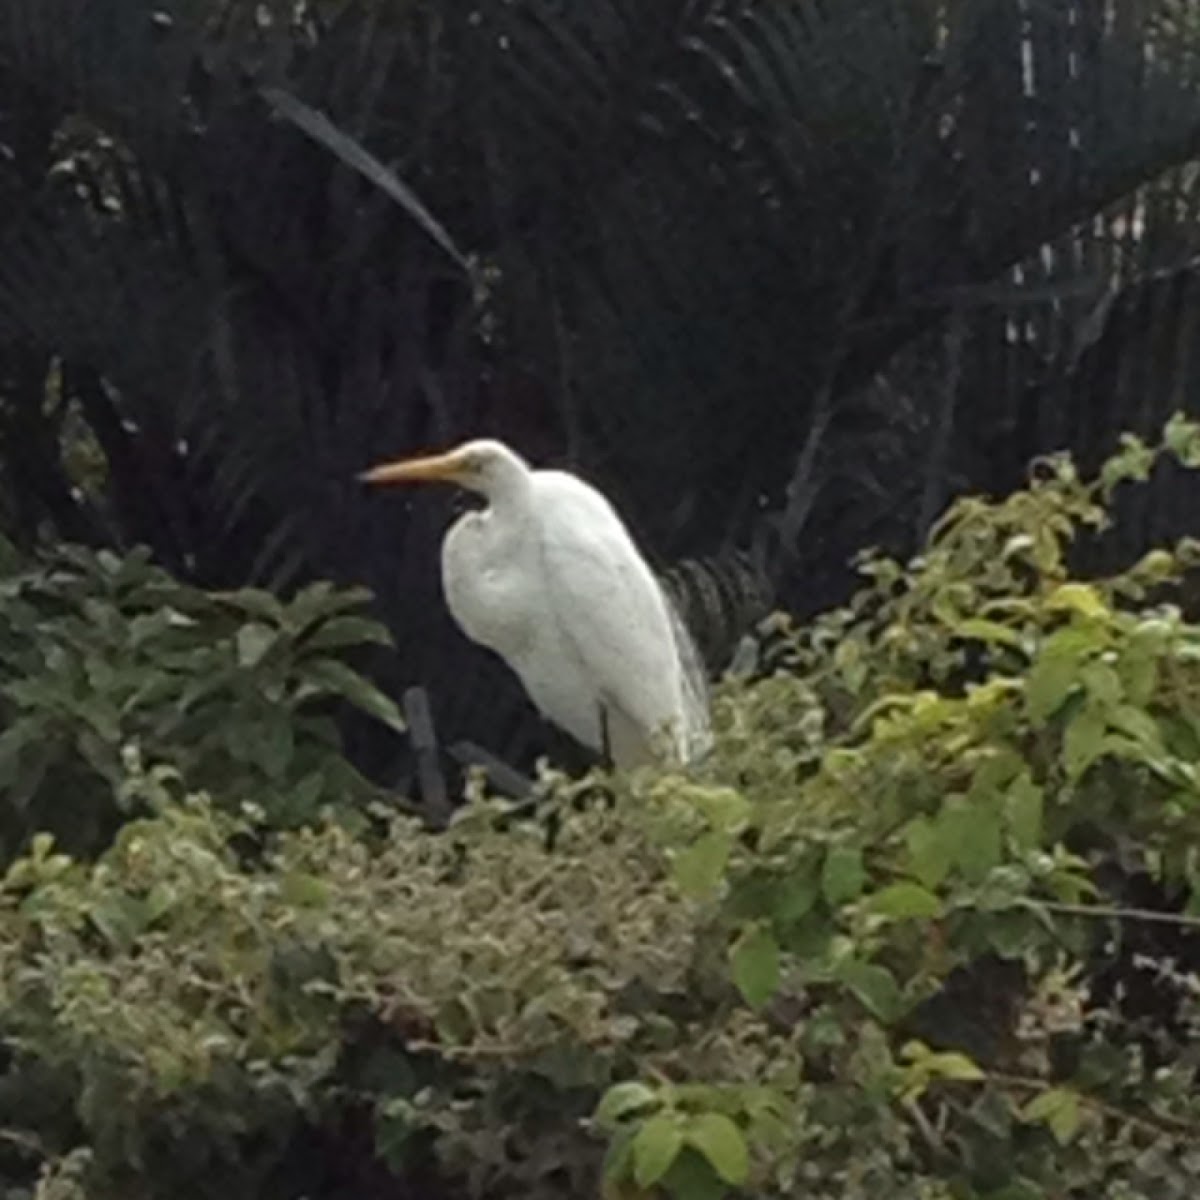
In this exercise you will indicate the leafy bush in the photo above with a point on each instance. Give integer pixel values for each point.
(867, 950)
(102, 655)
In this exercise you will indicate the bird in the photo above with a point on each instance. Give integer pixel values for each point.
(546, 575)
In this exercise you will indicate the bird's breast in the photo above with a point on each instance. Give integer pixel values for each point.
(489, 591)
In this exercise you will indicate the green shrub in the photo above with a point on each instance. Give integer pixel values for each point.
(866, 950)
(102, 656)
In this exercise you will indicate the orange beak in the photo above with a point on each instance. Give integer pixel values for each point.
(432, 469)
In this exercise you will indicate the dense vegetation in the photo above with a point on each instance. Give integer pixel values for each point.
(926, 925)
(100, 653)
(783, 277)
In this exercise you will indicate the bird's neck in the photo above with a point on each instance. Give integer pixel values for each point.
(501, 530)
(510, 490)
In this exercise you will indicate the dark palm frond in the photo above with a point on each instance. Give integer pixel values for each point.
(121, 64)
(720, 599)
(949, 166)
(1139, 366)
(318, 126)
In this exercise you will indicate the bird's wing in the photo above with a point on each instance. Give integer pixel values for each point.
(697, 731)
(608, 604)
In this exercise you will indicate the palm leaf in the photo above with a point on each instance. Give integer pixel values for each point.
(321, 129)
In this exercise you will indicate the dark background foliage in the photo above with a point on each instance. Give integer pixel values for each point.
(780, 276)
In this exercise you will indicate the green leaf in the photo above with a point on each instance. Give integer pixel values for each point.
(1132, 462)
(1138, 668)
(624, 1100)
(984, 630)
(1057, 1108)
(993, 774)
(100, 714)
(119, 918)
(1102, 683)
(754, 958)
(914, 1051)
(1052, 678)
(253, 602)
(276, 744)
(305, 890)
(252, 642)
(328, 676)
(953, 1066)
(927, 857)
(1022, 1189)
(971, 835)
(692, 1178)
(395, 1130)
(905, 901)
(842, 877)
(875, 987)
(159, 901)
(1083, 741)
(1139, 725)
(699, 869)
(722, 1143)
(617, 1158)
(319, 602)
(1079, 598)
(1023, 811)
(796, 893)
(809, 938)
(724, 809)
(1014, 932)
(752, 895)
(347, 631)
(655, 1147)
(1182, 437)
(455, 1022)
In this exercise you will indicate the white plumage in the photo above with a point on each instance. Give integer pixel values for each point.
(548, 577)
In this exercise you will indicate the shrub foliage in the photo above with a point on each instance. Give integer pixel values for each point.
(927, 925)
(101, 654)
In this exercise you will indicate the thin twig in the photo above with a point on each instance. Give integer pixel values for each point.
(27, 1142)
(1103, 912)
(434, 796)
(1156, 1123)
(924, 1127)
(508, 779)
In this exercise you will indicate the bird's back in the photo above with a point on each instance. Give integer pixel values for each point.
(611, 617)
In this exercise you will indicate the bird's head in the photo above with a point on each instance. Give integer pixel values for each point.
(485, 466)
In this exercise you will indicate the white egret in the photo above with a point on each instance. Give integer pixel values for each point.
(548, 577)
